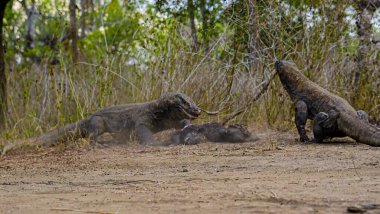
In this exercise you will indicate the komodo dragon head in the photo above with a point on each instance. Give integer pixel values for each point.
(180, 106)
(287, 69)
(292, 79)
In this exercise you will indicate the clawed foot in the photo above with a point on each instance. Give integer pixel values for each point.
(305, 140)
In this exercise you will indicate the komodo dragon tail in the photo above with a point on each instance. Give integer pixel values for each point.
(360, 130)
(70, 131)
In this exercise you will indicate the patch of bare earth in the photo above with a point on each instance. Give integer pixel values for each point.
(277, 174)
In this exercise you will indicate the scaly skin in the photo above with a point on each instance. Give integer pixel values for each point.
(333, 116)
(189, 135)
(174, 110)
(213, 132)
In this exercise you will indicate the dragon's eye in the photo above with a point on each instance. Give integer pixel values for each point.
(181, 100)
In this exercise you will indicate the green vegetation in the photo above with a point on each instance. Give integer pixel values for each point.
(133, 51)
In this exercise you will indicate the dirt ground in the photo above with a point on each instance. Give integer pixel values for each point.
(276, 174)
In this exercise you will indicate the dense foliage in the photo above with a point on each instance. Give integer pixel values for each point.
(213, 50)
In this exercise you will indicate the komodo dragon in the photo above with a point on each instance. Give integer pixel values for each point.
(173, 110)
(333, 116)
(189, 135)
(213, 132)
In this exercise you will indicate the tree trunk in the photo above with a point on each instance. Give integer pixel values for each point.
(92, 15)
(30, 24)
(83, 4)
(204, 24)
(190, 8)
(252, 37)
(365, 10)
(3, 77)
(73, 30)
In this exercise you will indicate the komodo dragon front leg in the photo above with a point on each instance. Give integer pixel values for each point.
(96, 126)
(301, 118)
(145, 134)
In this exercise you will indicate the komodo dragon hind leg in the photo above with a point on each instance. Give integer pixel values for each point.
(95, 128)
(318, 129)
(301, 118)
(325, 125)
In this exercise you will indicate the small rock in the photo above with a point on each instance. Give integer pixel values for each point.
(355, 209)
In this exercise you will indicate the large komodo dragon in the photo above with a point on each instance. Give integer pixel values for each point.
(333, 116)
(173, 110)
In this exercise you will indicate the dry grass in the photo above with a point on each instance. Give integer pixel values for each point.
(43, 96)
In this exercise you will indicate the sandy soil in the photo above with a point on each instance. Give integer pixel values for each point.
(274, 175)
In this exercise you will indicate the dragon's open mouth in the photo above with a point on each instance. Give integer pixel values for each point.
(191, 113)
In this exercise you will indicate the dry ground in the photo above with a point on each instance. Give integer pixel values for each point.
(274, 175)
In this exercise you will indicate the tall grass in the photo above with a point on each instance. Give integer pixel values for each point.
(43, 96)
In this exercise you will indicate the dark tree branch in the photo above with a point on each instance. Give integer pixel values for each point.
(73, 30)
